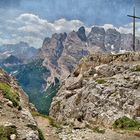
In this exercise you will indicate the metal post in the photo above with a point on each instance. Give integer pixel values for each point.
(134, 28)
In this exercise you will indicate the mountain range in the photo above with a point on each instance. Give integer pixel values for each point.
(21, 50)
(50, 65)
(62, 52)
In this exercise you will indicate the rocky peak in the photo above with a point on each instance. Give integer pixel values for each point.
(112, 40)
(53, 47)
(81, 34)
(63, 36)
(46, 41)
(96, 37)
(74, 50)
(96, 30)
(73, 36)
(60, 37)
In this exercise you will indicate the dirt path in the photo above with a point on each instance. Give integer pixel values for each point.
(50, 133)
(47, 130)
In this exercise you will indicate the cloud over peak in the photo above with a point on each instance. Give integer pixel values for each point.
(56, 26)
(32, 29)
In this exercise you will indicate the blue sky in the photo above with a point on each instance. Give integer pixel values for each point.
(88, 11)
(30, 20)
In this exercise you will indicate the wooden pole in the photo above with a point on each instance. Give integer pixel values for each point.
(134, 26)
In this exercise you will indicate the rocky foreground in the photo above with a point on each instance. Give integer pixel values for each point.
(16, 121)
(100, 100)
(102, 92)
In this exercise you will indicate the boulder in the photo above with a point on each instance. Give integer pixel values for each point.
(13, 137)
(104, 70)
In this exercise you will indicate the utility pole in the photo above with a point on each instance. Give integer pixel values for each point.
(134, 28)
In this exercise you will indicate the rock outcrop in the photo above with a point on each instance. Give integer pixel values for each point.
(101, 89)
(16, 121)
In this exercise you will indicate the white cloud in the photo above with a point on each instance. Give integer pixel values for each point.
(62, 25)
(32, 23)
(126, 29)
(33, 29)
(107, 26)
(129, 28)
(29, 19)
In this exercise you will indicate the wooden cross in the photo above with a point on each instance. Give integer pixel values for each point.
(134, 28)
